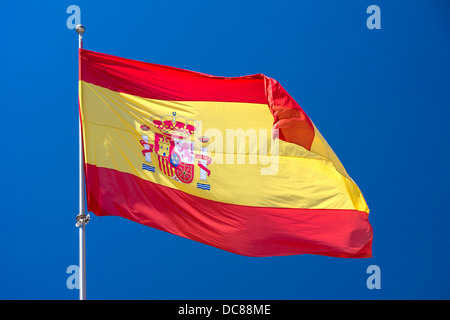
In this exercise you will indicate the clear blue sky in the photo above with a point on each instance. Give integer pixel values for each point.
(380, 97)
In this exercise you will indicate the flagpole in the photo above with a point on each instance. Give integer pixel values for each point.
(82, 218)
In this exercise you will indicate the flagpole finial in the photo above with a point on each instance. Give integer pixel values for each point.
(80, 29)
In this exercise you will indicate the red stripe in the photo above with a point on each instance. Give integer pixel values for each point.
(155, 81)
(163, 161)
(250, 231)
(289, 118)
(166, 163)
(159, 162)
(168, 168)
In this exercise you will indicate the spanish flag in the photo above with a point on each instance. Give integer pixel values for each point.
(233, 163)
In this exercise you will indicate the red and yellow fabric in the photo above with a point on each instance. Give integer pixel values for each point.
(308, 205)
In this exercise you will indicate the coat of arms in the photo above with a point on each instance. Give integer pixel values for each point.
(173, 149)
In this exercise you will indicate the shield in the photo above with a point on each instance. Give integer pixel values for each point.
(175, 159)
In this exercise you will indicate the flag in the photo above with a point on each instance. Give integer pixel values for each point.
(231, 162)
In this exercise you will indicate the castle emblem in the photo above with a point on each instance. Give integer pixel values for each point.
(173, 149)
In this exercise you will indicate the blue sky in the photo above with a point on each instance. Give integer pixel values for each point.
(380, 98)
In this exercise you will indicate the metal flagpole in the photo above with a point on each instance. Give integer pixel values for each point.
(82, 218)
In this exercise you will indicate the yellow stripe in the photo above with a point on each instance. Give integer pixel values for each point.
(303, 179)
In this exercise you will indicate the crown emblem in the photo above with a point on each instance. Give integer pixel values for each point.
(175, 126)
